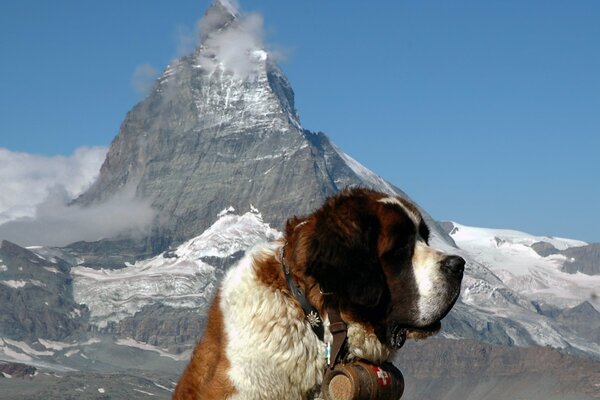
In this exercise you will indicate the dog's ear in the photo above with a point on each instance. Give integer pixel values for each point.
(292, 224)
(343, 251)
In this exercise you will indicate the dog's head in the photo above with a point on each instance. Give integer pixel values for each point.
(371, 252)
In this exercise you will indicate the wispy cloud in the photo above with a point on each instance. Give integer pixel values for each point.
(238, 47)
(57, 223)
(143, 78)
(35, 193)
(25, 179)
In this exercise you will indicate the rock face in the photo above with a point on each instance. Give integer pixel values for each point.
(218, 131)
(36, 297)
(585, 259)
(544, 249)
(163, 326)
(15, 370)
(583, 319)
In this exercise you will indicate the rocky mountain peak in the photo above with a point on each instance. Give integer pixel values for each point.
(217, 17)
(220, 129)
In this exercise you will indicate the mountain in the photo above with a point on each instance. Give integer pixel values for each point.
(219, 130)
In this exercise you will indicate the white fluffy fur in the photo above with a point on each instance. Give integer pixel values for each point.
(430, 282)
(274, 353)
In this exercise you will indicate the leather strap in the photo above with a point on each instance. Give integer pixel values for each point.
(311, 313)
(339, 330)
(337, 326)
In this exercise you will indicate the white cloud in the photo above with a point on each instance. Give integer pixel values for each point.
(236, 48)
(143, 78)
(239, 47)
(57, 223)
(26, 178)
(36, 192)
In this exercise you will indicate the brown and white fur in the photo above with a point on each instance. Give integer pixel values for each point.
(369, 253)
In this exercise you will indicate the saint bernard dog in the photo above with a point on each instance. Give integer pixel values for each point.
(364, 252)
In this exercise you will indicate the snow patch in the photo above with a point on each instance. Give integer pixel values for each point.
(141, 391)
(18, 284)
(508, 254)
(164, 387)
(147, 347)
(224, 212)
(25, 348)
(14, 284)
(365, 174)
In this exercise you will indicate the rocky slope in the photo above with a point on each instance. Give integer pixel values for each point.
(36, 296)
(480, 372)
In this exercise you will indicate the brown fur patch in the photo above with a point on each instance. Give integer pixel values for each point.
(206, 375)
(269, 271)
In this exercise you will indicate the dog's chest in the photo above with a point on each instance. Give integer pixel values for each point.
(272, 350)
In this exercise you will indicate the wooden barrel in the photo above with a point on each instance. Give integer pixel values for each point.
(363, 381)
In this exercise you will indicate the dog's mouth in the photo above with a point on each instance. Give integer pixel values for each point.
(397, 333)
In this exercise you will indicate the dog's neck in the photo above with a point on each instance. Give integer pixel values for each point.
(362, 343)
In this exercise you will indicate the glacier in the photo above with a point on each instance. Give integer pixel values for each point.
(177, 278)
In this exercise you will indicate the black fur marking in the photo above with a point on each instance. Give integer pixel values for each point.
(343, 254)
(424, 231)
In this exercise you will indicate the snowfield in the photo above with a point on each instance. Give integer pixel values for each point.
(179, 279)
(508, 254)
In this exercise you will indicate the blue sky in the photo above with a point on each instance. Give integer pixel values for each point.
(486, 113)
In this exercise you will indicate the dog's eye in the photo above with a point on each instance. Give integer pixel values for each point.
(402, 250)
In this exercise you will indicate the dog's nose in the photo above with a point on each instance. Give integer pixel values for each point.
(454, 264)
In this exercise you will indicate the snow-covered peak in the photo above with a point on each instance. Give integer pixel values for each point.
(231, 41)
(509, 255)
(228, 235)
(217, 17)
(365, 174)
(179, 278)
(505, 237)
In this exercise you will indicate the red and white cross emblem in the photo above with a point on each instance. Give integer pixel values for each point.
(383, 377)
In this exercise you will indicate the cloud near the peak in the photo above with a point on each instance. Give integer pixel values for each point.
(238, 47)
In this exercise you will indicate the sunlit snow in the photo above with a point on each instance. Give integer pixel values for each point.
(178, 279)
